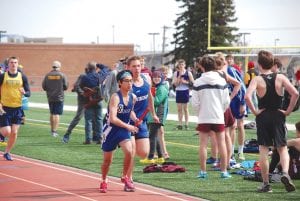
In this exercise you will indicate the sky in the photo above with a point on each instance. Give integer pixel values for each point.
(131, 21)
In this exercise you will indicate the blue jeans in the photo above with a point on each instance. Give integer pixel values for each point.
(93, 115)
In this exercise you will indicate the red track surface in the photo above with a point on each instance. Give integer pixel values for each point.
(28, 179)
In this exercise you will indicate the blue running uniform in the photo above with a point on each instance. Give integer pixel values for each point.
(140, 106)
(112, 134)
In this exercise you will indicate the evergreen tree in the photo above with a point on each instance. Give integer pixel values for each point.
(190, 39)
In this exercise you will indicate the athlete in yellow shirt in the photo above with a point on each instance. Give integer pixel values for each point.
(13, 85)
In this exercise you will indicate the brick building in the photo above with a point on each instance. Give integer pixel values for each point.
(37, 58)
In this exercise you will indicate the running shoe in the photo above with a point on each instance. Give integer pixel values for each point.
(179, 127)
(66, 138)
(264, 188)
(225, 175)
(103, 187)
(241, 156)
(54, 134)
(7, 157)
(288, 184)
(128, 185)
(210, 160)
(202, 175)
(147, 161)
(3, 144)
(160, 160)
(166, 156)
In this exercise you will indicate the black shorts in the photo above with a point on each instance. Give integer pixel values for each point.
(271, 128)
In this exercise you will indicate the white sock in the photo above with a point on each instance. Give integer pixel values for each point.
(241, 149)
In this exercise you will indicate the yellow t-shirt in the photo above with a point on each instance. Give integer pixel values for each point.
(10, 90)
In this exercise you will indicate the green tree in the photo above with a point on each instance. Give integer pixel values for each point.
(190, 39)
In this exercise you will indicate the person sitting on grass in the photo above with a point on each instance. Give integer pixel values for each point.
(294, 153)
(117, 130)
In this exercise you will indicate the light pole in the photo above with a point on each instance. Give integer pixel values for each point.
(153, 35)
(137, 49)
(113, 33)
(244, 38)
(275, 44)
(164, 43)
(1, 32)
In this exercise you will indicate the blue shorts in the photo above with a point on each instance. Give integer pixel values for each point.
(183, 96)
(113, 136)
(56, 107)
(143, 131)
(235, 108)
(12, 116)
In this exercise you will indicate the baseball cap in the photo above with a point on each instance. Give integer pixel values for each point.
(56, 64)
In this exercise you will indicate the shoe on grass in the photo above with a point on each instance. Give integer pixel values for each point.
(147, 161)
(54, 134)
(264, 188)
(210, 160)
(87, 142)
(66, 138)
(4, 144)
(287, 182)
(202, 175)
(160, 160)
(241, 156)
(179, 127)
(225, 175)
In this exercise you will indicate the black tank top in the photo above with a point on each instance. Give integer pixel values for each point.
(271, 100)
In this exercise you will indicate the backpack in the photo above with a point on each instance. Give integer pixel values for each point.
(167, 167)
(93, 96)
(251, 146)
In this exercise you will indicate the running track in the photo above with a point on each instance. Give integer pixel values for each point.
(33, 180)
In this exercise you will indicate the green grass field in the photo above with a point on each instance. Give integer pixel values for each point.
(35, 141)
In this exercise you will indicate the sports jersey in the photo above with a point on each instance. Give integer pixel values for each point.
(113, 134)
(142, 97)
(10, 90)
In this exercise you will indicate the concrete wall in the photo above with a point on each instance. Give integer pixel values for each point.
(37, 58)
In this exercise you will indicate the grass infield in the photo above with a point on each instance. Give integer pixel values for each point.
(35, 141)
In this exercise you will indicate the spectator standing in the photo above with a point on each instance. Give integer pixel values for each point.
(14, 85)
(161, 134)
(111, 84)
(249, 75)
(160, 94)
(144, 69)
(270, 118)
(117, 130)
(80, 108)
(182, 79)
(55, 83)
(90, 84)
(238, 108)
(210, 100)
